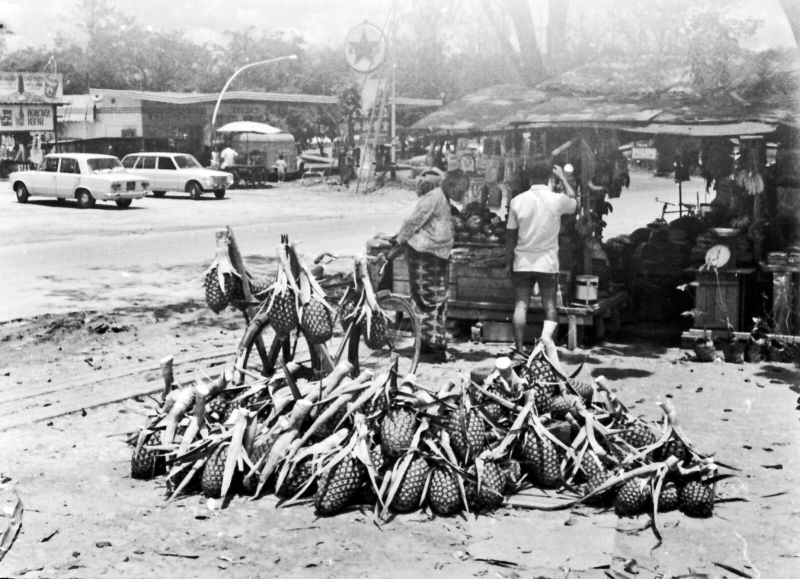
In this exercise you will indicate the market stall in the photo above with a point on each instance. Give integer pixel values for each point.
(259, 146)
(28, 103)
(493, 145)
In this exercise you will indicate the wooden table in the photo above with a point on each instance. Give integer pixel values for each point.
(576, 317)
(480, 291)
(785, 298)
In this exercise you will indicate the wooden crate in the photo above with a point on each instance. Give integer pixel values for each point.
(476, 284)
(721, 298)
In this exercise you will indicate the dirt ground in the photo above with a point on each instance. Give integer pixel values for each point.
(85, 517)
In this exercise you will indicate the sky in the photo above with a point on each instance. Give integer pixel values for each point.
(36, 22)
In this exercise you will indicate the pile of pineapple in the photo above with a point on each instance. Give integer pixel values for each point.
(386, 441)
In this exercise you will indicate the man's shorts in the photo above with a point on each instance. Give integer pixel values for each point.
(525, 279)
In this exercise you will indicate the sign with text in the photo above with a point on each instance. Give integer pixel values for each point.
(30, 87)
(26, 118)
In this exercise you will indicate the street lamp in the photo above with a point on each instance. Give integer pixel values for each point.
(235, 74)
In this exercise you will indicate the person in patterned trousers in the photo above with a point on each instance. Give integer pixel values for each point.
(427, 235)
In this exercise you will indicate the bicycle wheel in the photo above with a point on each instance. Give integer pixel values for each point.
(402, 338)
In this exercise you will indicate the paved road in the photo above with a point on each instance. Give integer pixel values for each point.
(57, 258)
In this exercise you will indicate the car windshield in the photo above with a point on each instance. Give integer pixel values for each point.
(103, 163)
(186, 162)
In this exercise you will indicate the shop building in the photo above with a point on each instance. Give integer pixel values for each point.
(28, 128)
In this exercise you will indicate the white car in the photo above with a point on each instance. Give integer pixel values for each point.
(81, 176)
(177, 172)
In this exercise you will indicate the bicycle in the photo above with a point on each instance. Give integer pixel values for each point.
(353, 303)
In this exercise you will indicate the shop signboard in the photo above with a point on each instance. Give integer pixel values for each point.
(25, 117)
(31, 87)
(644, 153)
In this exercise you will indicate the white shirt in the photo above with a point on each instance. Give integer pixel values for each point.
(536, 214)
(228, 156)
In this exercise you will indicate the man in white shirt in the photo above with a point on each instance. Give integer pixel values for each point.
(534, 221)
(228, 157)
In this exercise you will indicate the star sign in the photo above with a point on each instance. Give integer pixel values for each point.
(365, 51)
(364, 48)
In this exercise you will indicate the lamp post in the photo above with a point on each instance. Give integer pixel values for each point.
(235, 74)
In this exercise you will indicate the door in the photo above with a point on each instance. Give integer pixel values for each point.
(43, 181)
(146, 168)
(168, 175)
(67, 178)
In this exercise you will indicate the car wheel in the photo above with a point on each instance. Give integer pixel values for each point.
(85, 200)
(194, 190)
(220, 194)
(159, 193)
(22, 193)
(124, 203)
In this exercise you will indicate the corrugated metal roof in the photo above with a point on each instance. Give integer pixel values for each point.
(573, 109)
(711, 130)
(488, 109)
(188, 98)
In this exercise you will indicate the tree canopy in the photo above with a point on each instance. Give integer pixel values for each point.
(441, 50)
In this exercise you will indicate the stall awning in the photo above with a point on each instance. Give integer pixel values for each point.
(485, 110)
(710, 130)
(249, 127)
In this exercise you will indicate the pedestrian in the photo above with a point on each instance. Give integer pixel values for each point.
(534, 221)
(228, 157)
(427, 237)
(215, 159)
(205, 156)
(280, 167)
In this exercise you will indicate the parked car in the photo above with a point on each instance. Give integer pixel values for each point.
(81, 176)
(177, 172)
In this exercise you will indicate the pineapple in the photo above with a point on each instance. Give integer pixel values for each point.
(638, 434)
(471, 488)
(259, 450)
(697, 499)
(147, 463)
(297, 477)
(668, 500)
(492, 484)
(374, 327)
(213, 472)
(542, 397)
(283, 312)
(377, 458)
(583, 389)
(219, 409)
(542, 459)
(541, 371)
(338, 486)
(216, 296)
(409, 494)
(563, 404)
(631, 498)
(591, 465)
(596, 480)
(316, 322)
(474, 433)
(397, 431)
(443, 493)
(675, 447)
(455, 426)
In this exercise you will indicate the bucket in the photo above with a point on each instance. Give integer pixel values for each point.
(586, 288)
